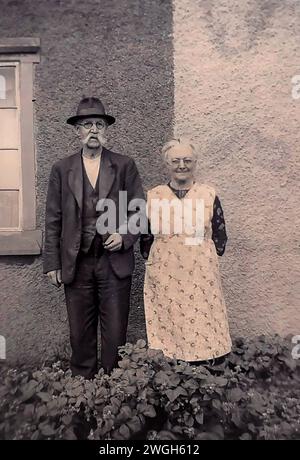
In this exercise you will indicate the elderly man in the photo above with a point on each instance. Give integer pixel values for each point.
(96, 269)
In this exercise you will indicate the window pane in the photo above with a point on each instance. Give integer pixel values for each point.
(10, 169)
(7, 87)
(9, 129)
(9, 208)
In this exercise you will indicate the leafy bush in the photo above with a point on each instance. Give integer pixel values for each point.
(254, 394)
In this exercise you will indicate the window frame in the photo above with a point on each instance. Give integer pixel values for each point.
(16, 66)
(27, 239)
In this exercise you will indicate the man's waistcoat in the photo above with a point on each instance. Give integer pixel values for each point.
(89, 213)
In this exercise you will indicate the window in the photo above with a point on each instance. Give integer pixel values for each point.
(10, 158)
(18, 234)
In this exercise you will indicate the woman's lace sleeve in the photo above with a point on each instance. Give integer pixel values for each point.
(219, 235)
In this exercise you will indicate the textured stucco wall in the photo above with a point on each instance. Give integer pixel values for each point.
(122, 52)
(233, 64)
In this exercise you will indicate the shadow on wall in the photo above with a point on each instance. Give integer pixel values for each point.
(235, 27)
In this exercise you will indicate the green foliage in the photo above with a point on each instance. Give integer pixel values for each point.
(255, 394)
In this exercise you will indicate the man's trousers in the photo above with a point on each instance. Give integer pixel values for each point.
(96, 292)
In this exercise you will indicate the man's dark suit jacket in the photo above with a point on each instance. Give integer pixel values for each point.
(64, 206)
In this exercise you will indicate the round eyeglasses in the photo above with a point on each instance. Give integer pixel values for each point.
(89, 124)
(186, 161)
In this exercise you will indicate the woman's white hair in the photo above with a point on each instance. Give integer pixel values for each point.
(174, 143)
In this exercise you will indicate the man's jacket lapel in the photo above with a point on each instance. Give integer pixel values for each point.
(106, 179)
(107, 174)
(75, 179)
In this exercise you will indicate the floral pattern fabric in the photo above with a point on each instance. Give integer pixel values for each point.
(218, 226)
(184, 304)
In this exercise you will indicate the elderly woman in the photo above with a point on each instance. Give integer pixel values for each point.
(184, 305)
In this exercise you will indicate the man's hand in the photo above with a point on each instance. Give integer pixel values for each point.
(55, 277)
(113, 242)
